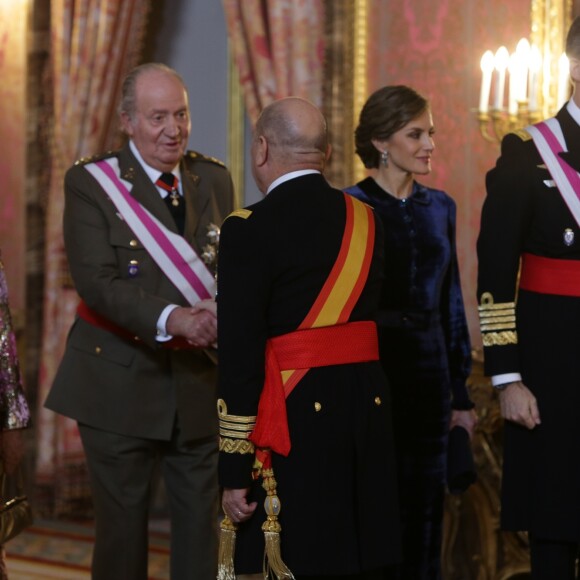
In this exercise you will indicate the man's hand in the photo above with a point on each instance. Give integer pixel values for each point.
(519, 405)
(235, 504)
(209, 304)
(197, 326)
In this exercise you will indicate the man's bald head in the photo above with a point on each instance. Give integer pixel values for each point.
(296, 133)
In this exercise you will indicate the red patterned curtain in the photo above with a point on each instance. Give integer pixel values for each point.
(93, 45)
(278, 47)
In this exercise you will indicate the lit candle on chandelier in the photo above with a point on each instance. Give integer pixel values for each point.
(523, 52)
(535, 63)
(501, 60)
(486, 72)
(514, 69)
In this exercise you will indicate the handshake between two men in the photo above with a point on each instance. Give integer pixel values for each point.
(197, 324)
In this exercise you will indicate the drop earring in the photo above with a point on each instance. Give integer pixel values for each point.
(384, 158)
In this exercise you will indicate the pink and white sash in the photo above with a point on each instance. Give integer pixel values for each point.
(549, 140)
(176, 258)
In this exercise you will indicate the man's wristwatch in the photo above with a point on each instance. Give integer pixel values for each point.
(502, 386)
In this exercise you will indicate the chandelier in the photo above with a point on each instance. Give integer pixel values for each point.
(532, 82)
(519, 88)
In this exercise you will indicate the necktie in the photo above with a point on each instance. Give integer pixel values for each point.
(169, 183)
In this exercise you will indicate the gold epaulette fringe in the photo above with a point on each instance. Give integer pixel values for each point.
(227, 549)
(274, 566)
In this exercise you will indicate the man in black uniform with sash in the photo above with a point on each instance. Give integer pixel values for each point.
(304, 406)
(529, 322)
(136, 226)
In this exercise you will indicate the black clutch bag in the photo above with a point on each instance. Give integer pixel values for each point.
(15, 511)
(460, 466)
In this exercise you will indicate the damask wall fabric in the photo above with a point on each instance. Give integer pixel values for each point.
(93, 45)
(435, 47)
(278, 46)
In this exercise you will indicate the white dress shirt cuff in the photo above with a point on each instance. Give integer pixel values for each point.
(505, 378)
(162, 335)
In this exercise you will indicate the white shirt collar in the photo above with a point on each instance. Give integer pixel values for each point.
(288, 176)
(155, 173)
(574, 110)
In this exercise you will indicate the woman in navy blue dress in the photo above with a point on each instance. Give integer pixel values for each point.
(423, 336)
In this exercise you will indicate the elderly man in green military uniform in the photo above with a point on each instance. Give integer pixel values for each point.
(137, 223)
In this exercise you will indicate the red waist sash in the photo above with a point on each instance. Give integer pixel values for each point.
(327, 345)
(94, 318)
(352, 342)
(550, 275)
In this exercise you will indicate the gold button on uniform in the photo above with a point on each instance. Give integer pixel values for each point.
(317, 406)
(133, 243)
(98, 350)
(378, 401)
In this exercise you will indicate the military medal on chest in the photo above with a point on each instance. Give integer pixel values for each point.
(210, 250)
(133, 268)
(568, 236)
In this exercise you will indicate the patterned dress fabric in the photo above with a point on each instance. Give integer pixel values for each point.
(14, 412)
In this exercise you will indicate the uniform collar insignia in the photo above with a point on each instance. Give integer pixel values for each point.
(129, 174)
(194, 177)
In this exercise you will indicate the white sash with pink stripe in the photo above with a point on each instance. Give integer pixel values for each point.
(176, 258)
(549, 140)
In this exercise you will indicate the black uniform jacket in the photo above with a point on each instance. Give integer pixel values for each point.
(534, 334)
(134, 387)
(336, 486)
(523, 212)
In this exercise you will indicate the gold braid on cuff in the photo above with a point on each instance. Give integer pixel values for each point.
(235, 431)
(497, 321)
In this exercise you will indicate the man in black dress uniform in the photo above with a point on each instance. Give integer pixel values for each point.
(529, 322)
(299, 275)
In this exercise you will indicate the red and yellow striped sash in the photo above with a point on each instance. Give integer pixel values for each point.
(332, 307)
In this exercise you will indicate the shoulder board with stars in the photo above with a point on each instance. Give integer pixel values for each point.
(94, 158)
(200, 157)
(241, 213)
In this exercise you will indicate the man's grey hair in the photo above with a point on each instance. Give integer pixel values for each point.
(128, 91)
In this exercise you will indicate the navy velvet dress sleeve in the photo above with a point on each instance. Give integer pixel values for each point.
(455, 324)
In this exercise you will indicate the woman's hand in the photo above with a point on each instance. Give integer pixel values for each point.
(465, 419)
